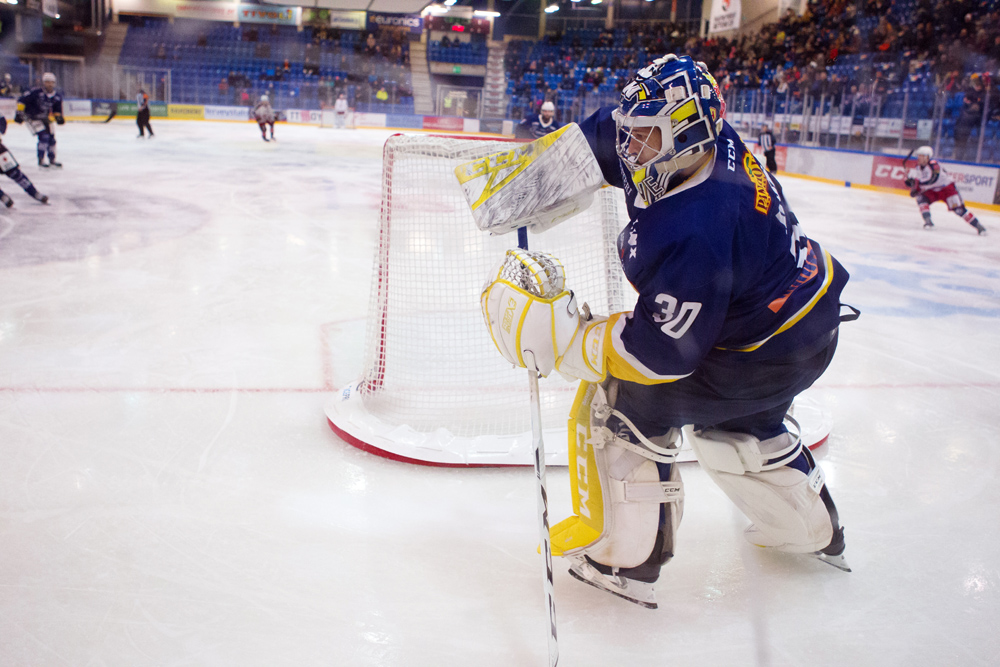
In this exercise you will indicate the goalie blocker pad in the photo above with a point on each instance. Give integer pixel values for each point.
(616, 489)
(535, 185)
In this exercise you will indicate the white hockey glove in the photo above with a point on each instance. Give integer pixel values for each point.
(534, 319)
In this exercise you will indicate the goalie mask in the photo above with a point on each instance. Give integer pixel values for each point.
(669, 117)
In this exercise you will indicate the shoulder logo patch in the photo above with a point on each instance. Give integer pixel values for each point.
(762, 201)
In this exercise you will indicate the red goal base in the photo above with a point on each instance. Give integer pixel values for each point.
(348, 418)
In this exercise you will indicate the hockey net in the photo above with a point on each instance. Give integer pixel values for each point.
(434, 389)
(328, 118)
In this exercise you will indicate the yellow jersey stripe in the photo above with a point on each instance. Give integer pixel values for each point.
(621, 363)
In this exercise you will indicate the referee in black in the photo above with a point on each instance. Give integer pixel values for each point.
(142, 114)
(766, 141)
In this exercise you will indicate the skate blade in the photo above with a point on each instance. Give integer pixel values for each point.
(836, 561)
(641, 603)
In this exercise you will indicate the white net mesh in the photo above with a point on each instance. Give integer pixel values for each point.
(429, 360)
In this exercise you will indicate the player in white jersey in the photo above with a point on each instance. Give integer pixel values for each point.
(340, 111)
(929, 182)
(264, 115)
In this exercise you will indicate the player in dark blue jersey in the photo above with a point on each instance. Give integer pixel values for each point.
(538, 125)
(10, 168)
(737, 313)
(36, 107)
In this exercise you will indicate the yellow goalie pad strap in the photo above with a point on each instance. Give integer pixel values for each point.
(588, 502)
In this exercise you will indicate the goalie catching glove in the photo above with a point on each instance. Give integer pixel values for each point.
(534, 319)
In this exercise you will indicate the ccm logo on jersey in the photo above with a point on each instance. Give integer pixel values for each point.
(732, 155)
(508, 314)
(762, 201)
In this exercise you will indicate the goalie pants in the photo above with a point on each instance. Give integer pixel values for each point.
(726, 394)
(723, 395)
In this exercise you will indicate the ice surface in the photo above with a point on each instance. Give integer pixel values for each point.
(170, 493)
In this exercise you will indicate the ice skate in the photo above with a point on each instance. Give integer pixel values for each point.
(41, 198)
(264, 138)
(53, 163)
(42, 164)
(757, 538)
(837, 561)
(928, 225)
(5, 198)
(639, 592)
(980, 230)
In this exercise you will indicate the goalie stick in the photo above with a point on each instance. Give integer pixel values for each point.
(538, 451)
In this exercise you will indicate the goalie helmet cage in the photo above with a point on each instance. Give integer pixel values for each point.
(434, 389)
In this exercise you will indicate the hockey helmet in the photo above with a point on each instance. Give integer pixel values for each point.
(925, 151)
(48, 77)
(264, 98)
(669, 117)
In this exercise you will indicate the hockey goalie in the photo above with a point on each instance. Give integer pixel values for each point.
(738, 312)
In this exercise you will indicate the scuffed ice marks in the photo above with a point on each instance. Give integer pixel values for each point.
(101, 222)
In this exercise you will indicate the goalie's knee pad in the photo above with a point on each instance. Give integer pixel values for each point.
(615, 475)
(765, 479)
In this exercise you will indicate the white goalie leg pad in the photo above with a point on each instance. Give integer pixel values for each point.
(618, 518)
(783, 503)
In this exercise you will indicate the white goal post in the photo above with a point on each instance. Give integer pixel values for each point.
(434, 389)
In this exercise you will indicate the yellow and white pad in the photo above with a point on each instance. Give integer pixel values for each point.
(616, 487)
(783, 503)
(535, 185)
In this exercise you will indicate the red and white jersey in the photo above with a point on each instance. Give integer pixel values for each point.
(263, 112)
(931, 176)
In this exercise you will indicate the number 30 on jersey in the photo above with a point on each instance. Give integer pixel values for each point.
(675, 320)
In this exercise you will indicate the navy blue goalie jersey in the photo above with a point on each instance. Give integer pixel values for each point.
(721, 265)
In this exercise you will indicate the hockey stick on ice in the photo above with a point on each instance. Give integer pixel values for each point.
(113, 113)
(538, 452)
(908, 157)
